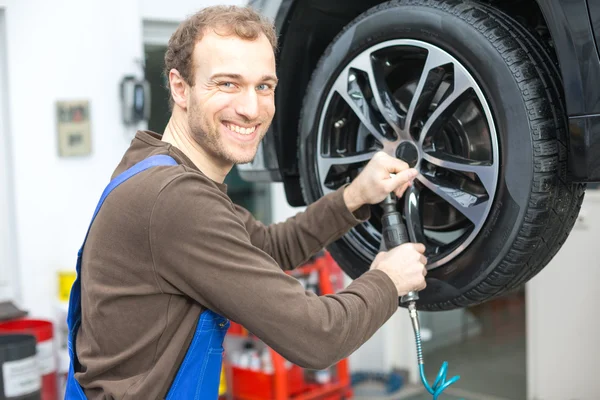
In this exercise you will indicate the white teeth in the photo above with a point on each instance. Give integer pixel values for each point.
(242, 130)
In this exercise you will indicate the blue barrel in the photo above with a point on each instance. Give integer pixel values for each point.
(20, 377)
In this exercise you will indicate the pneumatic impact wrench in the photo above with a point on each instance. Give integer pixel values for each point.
(395, 234)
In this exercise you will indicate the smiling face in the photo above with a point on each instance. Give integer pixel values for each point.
(231, 103)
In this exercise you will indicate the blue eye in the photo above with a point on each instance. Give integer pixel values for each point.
(227, 84)
(263, 86)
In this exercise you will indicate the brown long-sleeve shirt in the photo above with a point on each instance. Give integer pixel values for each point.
(168, 244)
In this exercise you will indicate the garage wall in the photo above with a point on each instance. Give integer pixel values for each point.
(81, 52)
(8, 253)
(177, 10)
(562, 316)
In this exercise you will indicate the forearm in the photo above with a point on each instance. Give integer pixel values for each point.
(337, 326)
(293, 242)
(309, 330)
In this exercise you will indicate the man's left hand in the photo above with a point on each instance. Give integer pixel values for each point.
(374, 183)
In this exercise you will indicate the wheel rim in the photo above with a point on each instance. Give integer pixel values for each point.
(416, 102)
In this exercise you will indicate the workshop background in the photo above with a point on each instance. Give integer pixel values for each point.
(63, 63)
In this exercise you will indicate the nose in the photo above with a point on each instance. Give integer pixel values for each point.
(247, 105)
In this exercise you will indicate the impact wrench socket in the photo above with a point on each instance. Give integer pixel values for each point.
(394, 234)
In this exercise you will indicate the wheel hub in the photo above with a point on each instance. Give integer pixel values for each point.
(408, 152)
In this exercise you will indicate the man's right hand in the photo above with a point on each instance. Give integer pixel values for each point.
(405, 265)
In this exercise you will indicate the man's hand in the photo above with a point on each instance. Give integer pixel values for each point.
(405, 265)
(374, 182)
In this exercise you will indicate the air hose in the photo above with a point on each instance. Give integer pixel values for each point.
(394, 234)
(440, 383)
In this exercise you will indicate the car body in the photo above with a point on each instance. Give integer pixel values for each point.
(574, 27)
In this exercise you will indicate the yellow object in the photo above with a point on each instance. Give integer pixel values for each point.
(65, 282)
(223, 383)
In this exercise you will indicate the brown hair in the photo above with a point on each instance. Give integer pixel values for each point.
(243, 22)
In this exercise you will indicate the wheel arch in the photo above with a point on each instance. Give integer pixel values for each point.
(307, 27)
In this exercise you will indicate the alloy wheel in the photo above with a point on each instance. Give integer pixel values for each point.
(416, 102)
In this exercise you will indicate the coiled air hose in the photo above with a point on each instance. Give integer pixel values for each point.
(394, 234)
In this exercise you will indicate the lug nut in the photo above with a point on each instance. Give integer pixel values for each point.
(340, 123)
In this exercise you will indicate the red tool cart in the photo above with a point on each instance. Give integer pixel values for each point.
(256, 372)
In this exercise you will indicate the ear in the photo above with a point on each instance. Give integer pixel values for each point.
(179, 89)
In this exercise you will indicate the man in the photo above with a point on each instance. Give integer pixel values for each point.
(169, 259)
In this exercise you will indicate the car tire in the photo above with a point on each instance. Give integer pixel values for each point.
(530, 204)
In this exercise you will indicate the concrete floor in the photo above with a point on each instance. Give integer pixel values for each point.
(491, 365)
(486, 365)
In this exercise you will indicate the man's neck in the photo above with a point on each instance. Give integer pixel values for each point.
(178, 134)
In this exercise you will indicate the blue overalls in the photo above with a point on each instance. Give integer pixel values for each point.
(199, 374)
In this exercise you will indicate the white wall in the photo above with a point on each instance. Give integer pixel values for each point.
(81, 52)
(563, 330)
(177, 10)
(281, 210)
(8, 252)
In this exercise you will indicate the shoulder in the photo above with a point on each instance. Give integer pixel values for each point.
(186, 195)
(189, 209)
(184, 181)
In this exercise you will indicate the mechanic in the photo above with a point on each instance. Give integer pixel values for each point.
(169, 259)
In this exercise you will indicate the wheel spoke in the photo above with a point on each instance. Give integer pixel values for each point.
(347, 86)
(485, 172)
(429, 83)
(461, 86)
(381, 93)
(325, 163)
(471, 205)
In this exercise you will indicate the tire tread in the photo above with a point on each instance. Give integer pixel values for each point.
(554, 203)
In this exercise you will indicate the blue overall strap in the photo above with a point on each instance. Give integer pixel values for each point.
(75, 296)
(198, 376)
(73, 390)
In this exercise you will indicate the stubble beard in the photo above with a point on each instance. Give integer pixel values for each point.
(208, 137)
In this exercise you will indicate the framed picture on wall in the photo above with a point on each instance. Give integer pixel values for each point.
(74, 128)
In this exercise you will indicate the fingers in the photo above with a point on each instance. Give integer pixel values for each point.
(377, 259)
(400, 182)
(383, 175)
(392, 164)
(421, 280)
(420, 247)
(409, 249)
(423, 259)
(400, 191)
(401, 179)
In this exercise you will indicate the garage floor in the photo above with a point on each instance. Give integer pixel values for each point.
(492, 365)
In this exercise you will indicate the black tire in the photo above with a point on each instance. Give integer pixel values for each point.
(535, 206)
